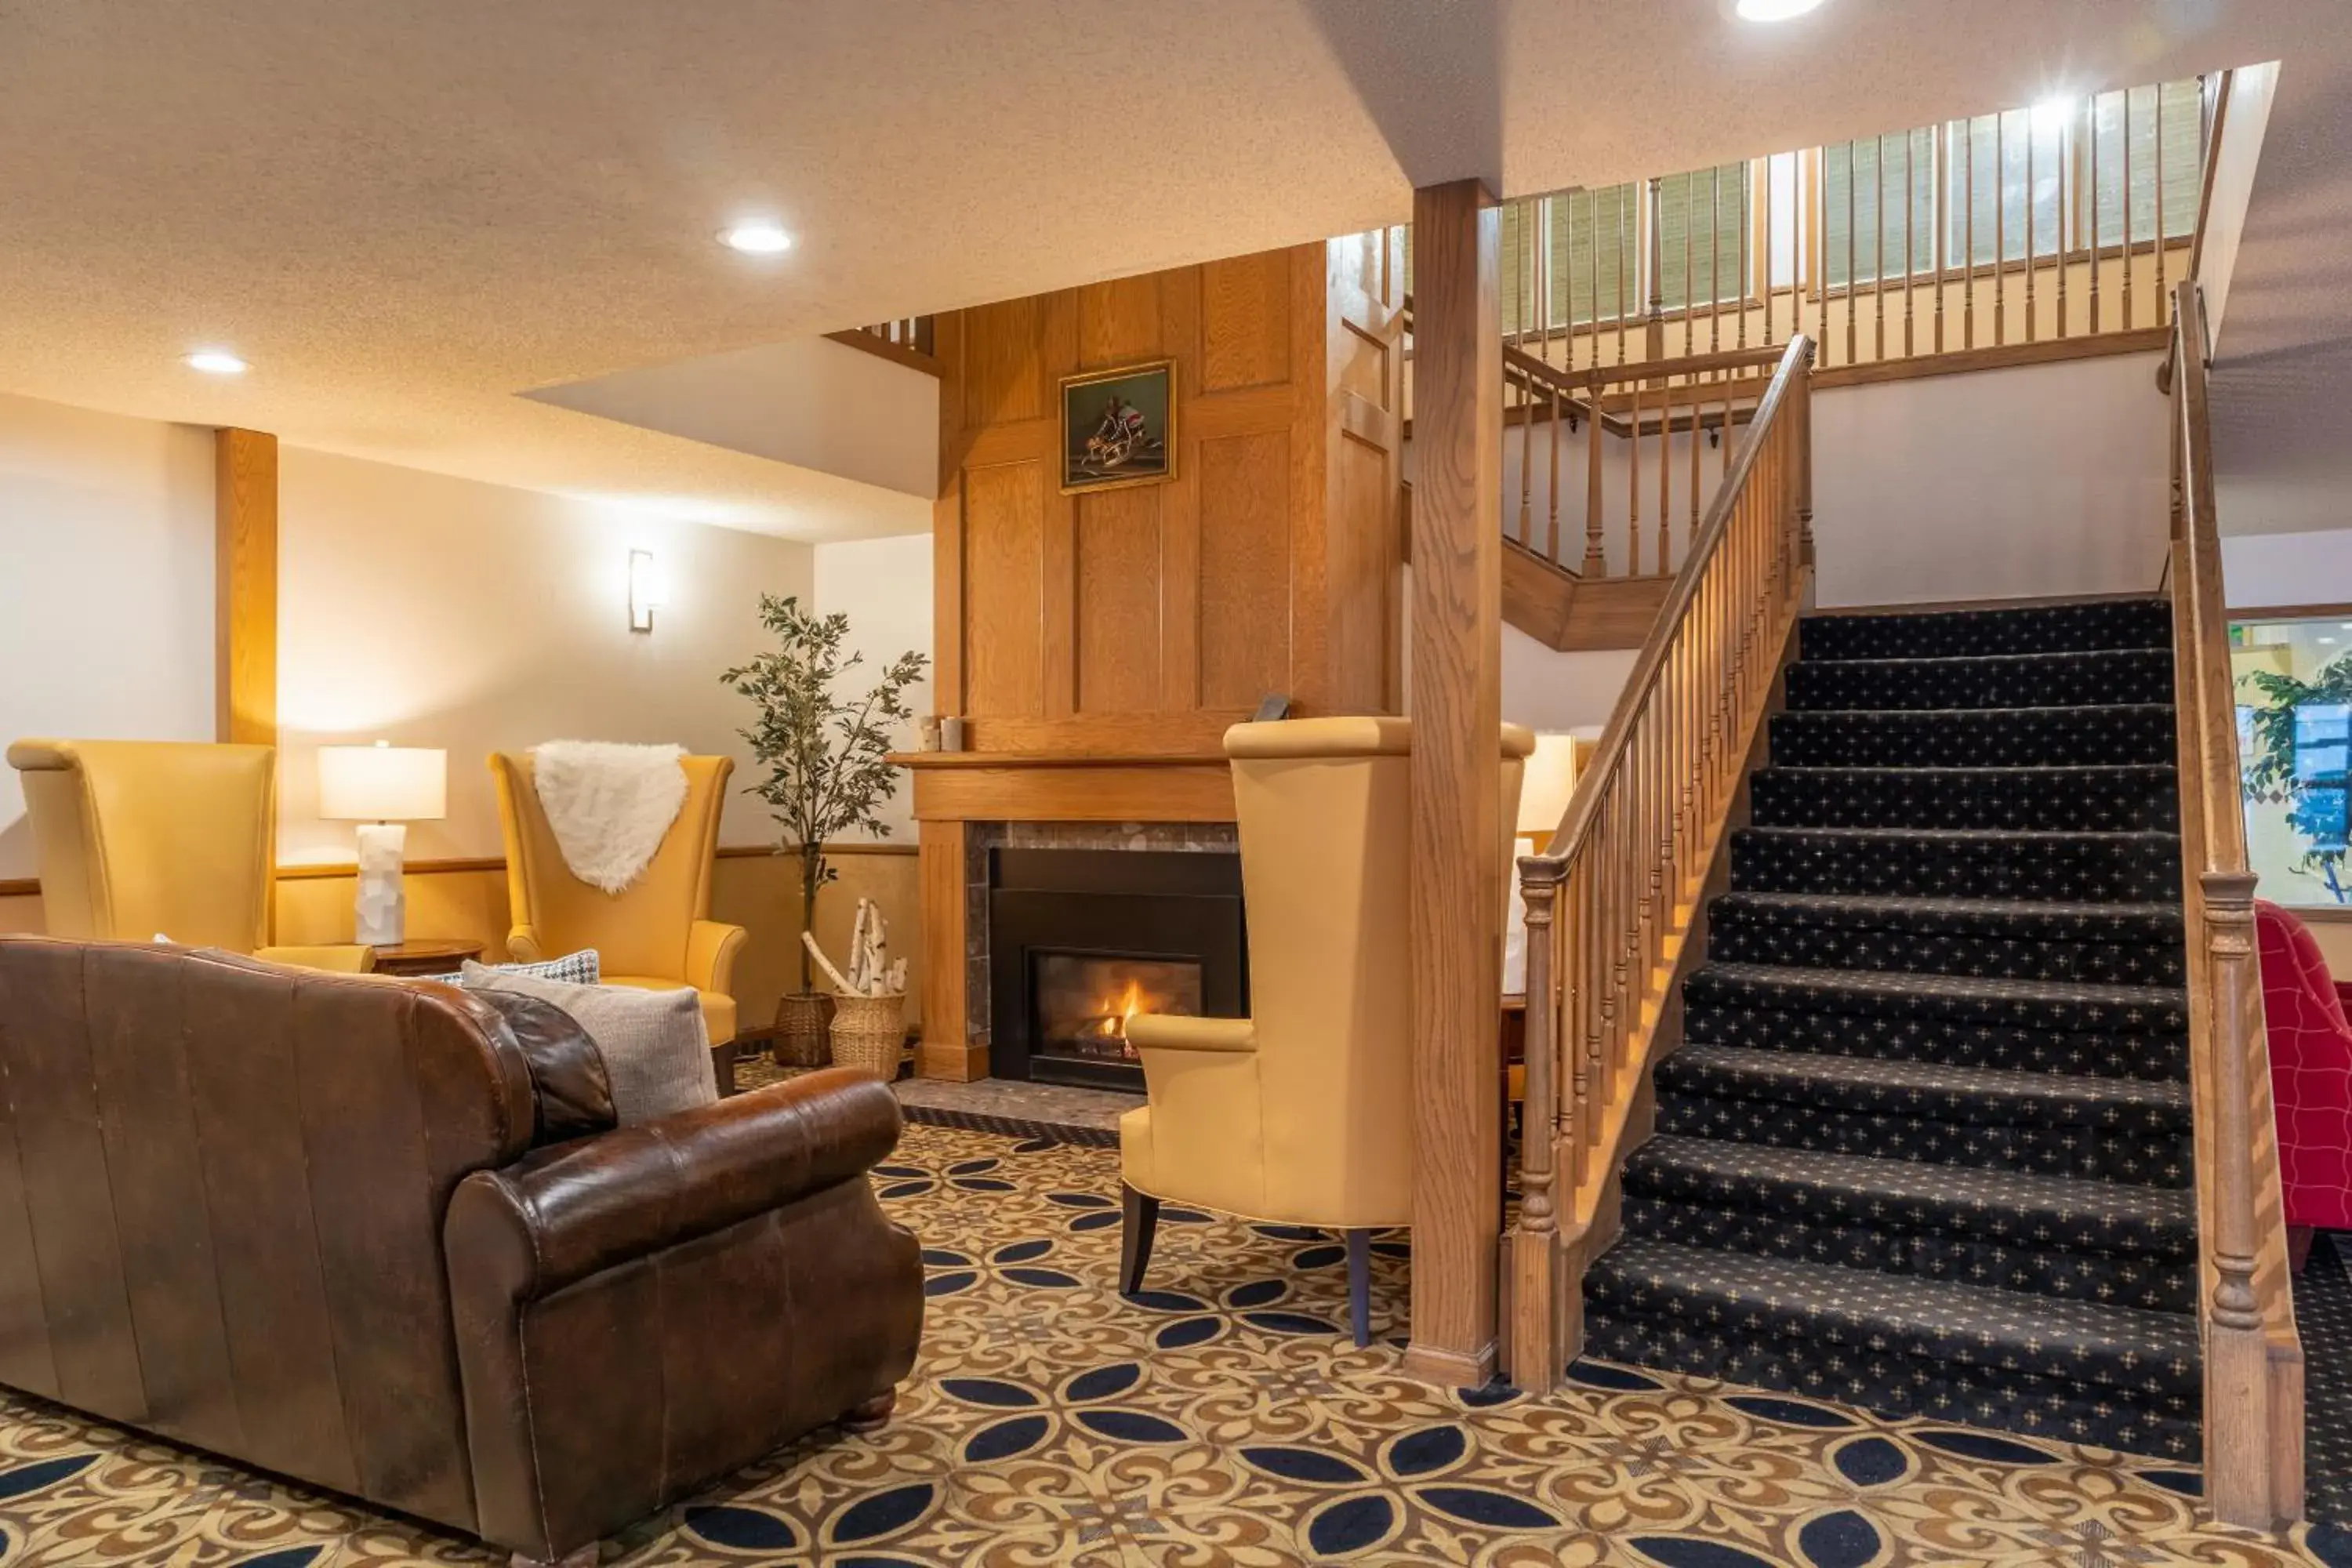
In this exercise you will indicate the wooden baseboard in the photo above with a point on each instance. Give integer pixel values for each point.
(951, 1062)
(1449, 1369)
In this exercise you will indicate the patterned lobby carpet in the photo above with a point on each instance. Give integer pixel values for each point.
(1223, 1420)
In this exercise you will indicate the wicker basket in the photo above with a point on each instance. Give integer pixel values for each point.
(802, 1020)
(869, 1034)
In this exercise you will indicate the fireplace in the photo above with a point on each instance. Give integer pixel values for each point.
(1080, 941)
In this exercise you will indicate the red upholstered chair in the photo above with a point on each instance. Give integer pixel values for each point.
(2311, 1077)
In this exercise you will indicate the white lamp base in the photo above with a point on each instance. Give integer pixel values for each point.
(383, 912)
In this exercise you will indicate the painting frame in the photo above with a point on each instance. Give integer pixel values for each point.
(1079, 477)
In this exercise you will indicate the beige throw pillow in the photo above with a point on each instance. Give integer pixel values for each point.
(656, 1050)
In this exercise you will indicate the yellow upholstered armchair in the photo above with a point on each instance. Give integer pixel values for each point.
(1302, 1112)
(657, 933)
(138, 840)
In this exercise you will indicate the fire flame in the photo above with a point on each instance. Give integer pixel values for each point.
(1112, 1014)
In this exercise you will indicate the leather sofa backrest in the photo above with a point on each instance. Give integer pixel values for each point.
(138, 837)
(643, 929)
(222, 1192)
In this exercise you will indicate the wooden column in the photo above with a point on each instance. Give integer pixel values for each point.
(1457, 832)
(245, 586)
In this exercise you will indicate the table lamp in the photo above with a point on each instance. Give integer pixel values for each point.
(383, 788)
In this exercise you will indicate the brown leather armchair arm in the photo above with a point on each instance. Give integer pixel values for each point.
(711, 950)
(652, 1307)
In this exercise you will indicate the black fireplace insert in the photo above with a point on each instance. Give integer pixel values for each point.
(1081, 940)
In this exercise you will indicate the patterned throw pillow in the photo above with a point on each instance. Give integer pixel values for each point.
(657, 1052)
(582, 968)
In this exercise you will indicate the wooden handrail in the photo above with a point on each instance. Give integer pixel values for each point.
(2253, 1361)
(1610, 899)
(2214, 130)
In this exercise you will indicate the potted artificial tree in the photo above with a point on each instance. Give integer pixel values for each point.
(827, 756)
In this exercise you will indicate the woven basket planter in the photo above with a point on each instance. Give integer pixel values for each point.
(803, 1019)
(869, 1034)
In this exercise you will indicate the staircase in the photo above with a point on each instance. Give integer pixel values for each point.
(1925, 1147)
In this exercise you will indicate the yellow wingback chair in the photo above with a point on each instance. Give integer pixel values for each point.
(657, 933)
(177, 838)
(1302, 1112)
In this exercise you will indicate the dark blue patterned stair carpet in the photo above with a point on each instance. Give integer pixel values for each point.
(1925, 1145)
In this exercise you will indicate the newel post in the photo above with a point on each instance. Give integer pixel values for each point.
(2237, 1362)
(1531, 1339)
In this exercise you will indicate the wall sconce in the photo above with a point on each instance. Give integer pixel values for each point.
(644, 590)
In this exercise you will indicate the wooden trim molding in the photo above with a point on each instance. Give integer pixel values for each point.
(20, 888)
(2294, 613)
(322, 871)
(245, 586)
(883, 348)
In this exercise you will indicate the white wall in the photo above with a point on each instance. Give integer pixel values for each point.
(2278, 571)
(433, 611)
(106, 586)
(1546, 690)
(2040, 480)
(884, 586)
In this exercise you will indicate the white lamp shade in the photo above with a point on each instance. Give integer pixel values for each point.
(383, 783)
(1549, 780)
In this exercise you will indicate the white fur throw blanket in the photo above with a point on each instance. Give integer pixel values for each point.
(610, 806)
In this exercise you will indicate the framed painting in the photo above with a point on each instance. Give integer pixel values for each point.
(1118, 428)
(2293, 674)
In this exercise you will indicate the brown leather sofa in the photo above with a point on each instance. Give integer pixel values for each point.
(383, 1237)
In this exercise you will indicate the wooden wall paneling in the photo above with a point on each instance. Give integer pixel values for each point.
(1057, 325)
(1311, 684)
(1246, 566)
(947, 523)
(245, 586)
(1119, 638)
(1246, 306)
(1004, 377)
(1457, 834)
(1005, 582)
(1364, 442)
(1179, 508)
(946, 1050)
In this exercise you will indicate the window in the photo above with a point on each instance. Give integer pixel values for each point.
(2293, 685)
(1882, 192)
(1591, 243)
(1702, 222)
(2172, 117)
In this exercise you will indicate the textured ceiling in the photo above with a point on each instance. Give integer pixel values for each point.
(406, 213)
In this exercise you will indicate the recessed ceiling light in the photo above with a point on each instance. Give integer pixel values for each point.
(756, 239)
(216, 362)
(1774, 10)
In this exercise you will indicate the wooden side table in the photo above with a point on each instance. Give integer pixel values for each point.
(428, 957)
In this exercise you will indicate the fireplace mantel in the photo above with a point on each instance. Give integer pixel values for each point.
(1031, 786)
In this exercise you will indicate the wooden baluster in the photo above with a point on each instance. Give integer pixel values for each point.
(1851, 354)
(1878, 251)
(1633, 490)
(2000, 226)
(1765, 284)
(1534, 1355)
(2163, 302)
(1697, 419)
(1723, 429)
(1620, 276)
(1938, 243)
(1690, 289)
(1595, 559)
(1968, 240)
(2031, 325)
(2066, 215)
(1665, 475)
(2129, 318)
(2095, 236)
(1551, 526)
(1715, 263)
(1528, 459)
(1910, 220)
